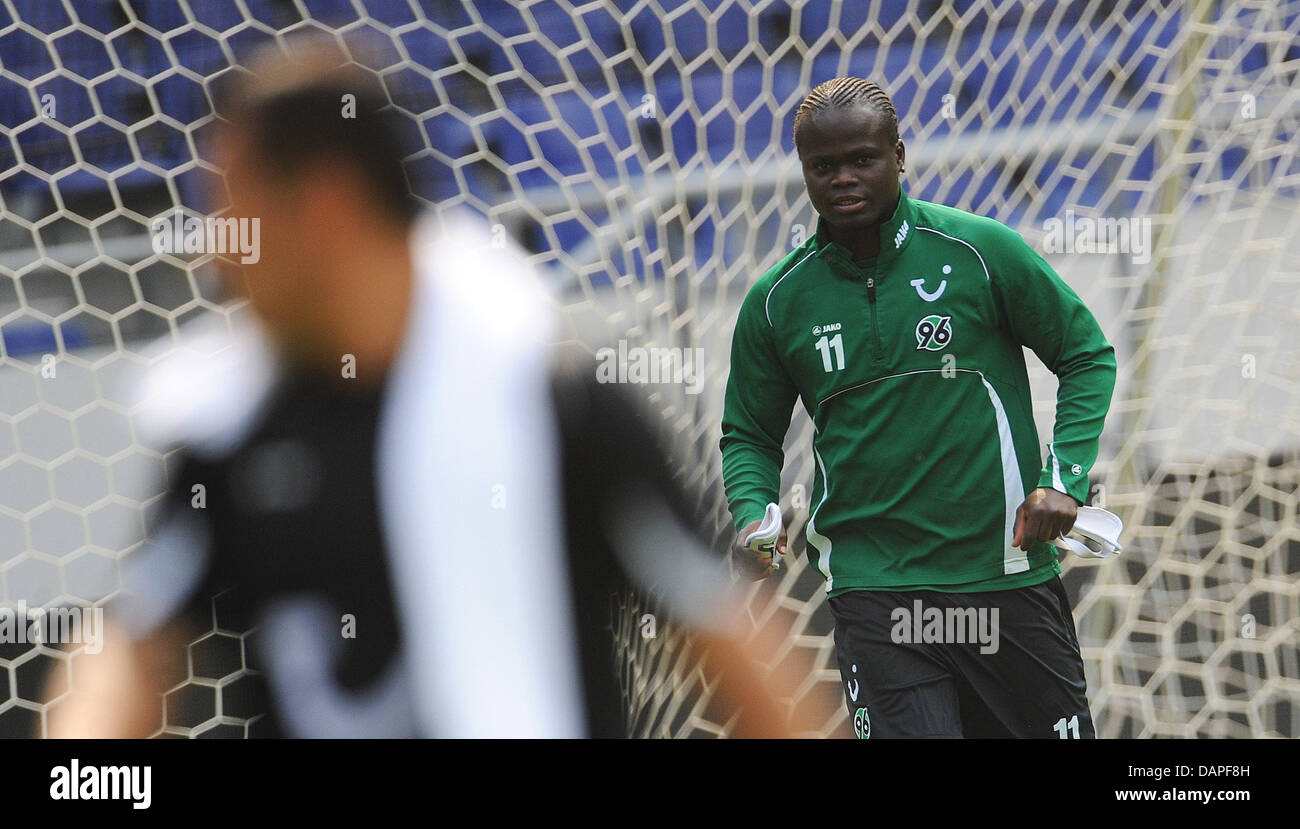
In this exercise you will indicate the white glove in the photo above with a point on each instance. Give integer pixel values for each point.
(764, 538)
(1095, 534)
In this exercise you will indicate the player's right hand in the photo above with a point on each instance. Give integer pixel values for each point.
(755, 564)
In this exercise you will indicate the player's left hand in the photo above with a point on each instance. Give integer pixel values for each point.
(1044, 516)
(758, 566)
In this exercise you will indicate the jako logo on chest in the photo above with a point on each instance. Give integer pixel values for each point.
(818, 330)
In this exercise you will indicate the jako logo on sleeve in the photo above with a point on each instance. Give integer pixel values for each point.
(77, 782)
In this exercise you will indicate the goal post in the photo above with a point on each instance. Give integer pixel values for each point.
(642, 153)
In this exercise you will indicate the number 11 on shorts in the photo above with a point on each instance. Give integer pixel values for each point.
(1072, 726)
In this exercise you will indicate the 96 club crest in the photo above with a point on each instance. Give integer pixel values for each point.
(933, 332)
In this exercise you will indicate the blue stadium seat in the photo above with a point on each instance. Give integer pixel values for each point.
(197, 52)
(104, 146)
(217, 16)
(1137, 56)
(861, 62)
(84, 54)
(606, 33)
(722, 32)
(101, 15)
(950, 189)
(367, 44)
(502, 16)
(708, 89)
(331, 11)
(614, 118)
(570, 234)
(1096, 190)
(665, 86)
(560, 152)
(279, 14)
(1143, 169)
(483, 50)
(1088, 78)
(138, 52)
(27, 336)
(181, 98)
(698, 242)
(1253, 58)
(597, 133)
(74, 184)
(1013, 90)
(985, 82)
(770, 126)
(554, 20)
(71, 99)
(1052, 198)
(25, 55)
(763, 127)
(648, 38)
(539, 60)
(922, 101)
(511, 146)
(138, 179)
(44, 147)
(242, 43)
(815, 20)
(449, 133)
(483, 181)
(977, 14)
(16, 105)
(427, 48)
(161, 15)
(448, 15)
(431, 179)
(1231, 160)
(122, 99)
(384, 11)
(690, 32)
(42, 15)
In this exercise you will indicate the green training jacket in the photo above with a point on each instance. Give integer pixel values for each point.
(912, 370)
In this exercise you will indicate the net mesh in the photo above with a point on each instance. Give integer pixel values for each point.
(641, 152)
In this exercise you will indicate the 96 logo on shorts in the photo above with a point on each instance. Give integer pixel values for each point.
(862, 724)
(933, 332)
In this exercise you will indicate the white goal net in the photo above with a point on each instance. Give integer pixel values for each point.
(641, 151)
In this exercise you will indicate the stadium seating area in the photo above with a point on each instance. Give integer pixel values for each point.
(724, 85)
(713, 64)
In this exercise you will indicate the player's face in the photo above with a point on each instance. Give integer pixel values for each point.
(276, 285)
(850, 166)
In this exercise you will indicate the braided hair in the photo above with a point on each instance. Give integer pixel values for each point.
(838, 93)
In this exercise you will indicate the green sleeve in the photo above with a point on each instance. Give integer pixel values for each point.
(756, 415)
(1045, 314)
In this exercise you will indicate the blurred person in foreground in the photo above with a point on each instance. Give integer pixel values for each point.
(387, 444)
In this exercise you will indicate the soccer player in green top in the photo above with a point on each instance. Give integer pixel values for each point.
(900, 326)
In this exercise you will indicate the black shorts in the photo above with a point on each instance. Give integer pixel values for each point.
(925, 664)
